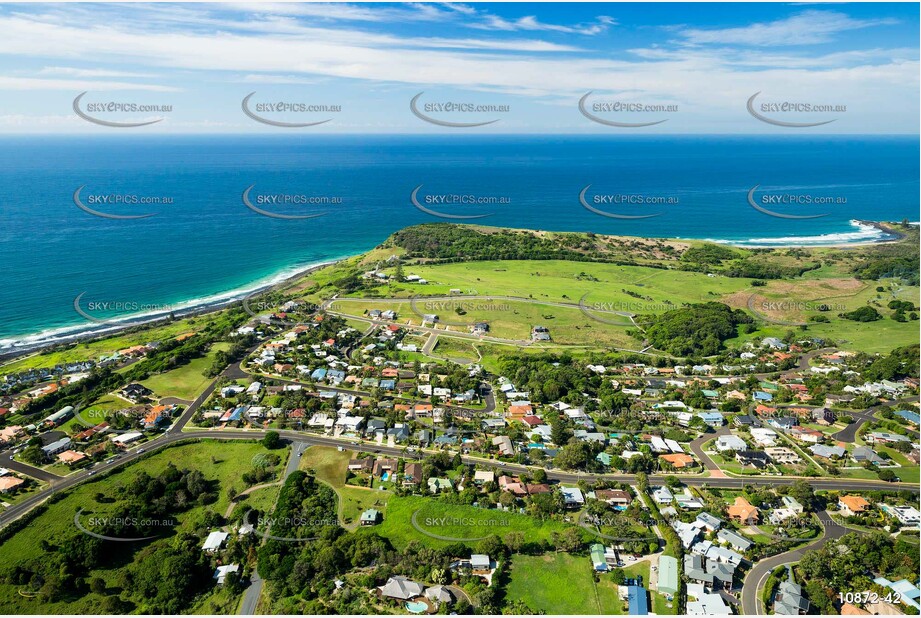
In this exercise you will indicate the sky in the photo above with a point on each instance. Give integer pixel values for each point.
(355, 68)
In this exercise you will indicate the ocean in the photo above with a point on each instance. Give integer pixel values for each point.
(203, 244)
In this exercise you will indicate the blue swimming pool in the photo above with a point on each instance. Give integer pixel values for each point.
(416, 607)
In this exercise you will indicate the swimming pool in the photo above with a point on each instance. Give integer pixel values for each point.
(416, 607)
(385, 476)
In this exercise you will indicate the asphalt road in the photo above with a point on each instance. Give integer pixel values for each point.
(254, 590)
(849, 433)
(757, 576)
(697, 448)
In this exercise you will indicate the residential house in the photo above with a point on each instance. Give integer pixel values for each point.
(861, 454)
(399, 587)
(709, 522)
(789, 599)
(852, 505)
(370, 517)
(782, 455)
(214, 541)
(824, 416)
(736, 540)
(743, 512)
(614, 497)
(758, 459)
(730, 443)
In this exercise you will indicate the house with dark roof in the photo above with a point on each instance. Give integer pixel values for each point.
(789, 599)
(758, 459)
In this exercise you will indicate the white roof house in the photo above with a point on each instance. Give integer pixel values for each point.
(730, 443)
(126, 438)
(220, 574)
(214, 541)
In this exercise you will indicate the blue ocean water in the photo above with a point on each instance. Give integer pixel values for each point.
(206, 244)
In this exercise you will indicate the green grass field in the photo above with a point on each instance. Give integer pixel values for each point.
(439, 518)
(456, 349)
(95, 413)
(607, 286)
(562, 584)
(331, 466)
(187, 381)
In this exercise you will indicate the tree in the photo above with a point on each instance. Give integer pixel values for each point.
(272, 440)
(886, 475)
(439, 576)
(98, 585)
(804, 494)
(539, 475)
(642, 482)
(514, 541)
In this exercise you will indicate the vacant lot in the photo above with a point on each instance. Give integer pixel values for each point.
(562, 584)
(436, 518)
(188, 381)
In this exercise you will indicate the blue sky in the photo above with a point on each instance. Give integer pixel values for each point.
(696, 64)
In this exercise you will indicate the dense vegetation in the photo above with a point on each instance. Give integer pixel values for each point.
(697, 329)
(900, 363)
(165, 578)
(892, 259)
(849, 564)
(453, 243)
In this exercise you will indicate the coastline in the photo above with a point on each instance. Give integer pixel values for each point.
(194, 307)
(884, 234)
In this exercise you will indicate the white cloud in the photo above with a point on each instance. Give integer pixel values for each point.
(91, 73)
(805, 28)
(531, 23)
(76, 85)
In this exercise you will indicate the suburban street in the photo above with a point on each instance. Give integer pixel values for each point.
(757, 576)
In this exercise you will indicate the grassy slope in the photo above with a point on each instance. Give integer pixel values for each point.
(219, 461)
(187, 381)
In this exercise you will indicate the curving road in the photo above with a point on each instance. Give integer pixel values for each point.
(756, 578)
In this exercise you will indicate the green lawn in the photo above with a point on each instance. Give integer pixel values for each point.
(562, 584)
(95, 413)
(455, 349)
(331, 466)
(456, 521)
(659, 605)
(187, 381)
